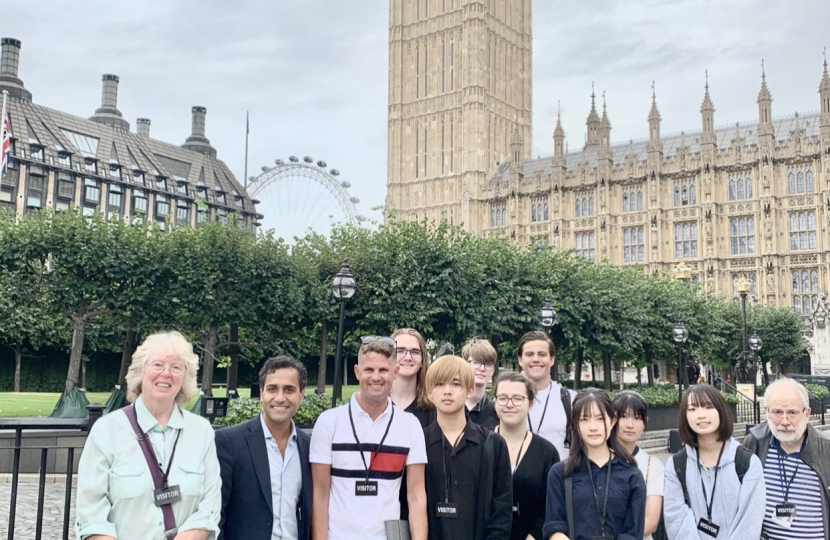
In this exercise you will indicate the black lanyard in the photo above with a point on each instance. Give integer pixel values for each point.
(709, 501)
(519, 455)
(360, 445)
(448, 468)
(782, 476)
(544, 412)
(164, 474)
(604, 510)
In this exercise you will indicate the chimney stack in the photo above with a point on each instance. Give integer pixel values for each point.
(197, 142)
(143, 127)
(9, 63)
(108, 113)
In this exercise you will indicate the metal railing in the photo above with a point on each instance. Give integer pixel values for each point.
(19, 425)
(748, 409)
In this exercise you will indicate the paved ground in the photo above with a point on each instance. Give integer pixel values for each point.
(24, 527)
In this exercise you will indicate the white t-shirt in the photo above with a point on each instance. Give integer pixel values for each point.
(550, 422)
(653, 471)
(333, 443)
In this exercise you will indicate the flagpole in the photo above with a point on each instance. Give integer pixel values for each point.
(3, 133)
(247, 132)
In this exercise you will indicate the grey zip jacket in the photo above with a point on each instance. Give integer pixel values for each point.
(738, 508)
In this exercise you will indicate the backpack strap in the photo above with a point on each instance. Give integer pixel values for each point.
(565, 396)
(742, 458)
(569, 504)
(679, 459)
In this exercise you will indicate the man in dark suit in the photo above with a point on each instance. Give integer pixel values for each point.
(266, 476)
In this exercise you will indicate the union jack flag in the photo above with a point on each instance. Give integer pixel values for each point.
(6, 144)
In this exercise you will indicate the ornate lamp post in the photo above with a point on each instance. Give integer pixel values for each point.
(755, 344)
(547, 318)
(741, 368)
(343, 287)
(680, 334)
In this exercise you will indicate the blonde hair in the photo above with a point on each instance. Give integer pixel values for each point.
(421, 393)
(479, 350)
(174, 344)
(447, 368)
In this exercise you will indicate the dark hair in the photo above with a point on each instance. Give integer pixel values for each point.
(704, 395)
(513, 376)
(283, 362)
(536, 335)
(585, 399)
(629, 401)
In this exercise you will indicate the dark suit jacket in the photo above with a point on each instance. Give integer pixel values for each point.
(247, 512)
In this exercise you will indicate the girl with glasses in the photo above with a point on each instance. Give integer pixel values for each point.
(598, 492)
(408, 390)
(531, 456)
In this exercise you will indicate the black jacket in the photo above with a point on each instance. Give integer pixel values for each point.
(247, 512)
(815, 454)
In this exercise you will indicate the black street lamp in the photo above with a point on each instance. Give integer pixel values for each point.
(680, 334)
(547, 318)
(755, 344)
(343, 287)
(741, 369)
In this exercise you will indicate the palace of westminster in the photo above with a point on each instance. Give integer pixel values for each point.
(749, 199)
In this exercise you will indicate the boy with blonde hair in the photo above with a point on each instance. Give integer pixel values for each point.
(483, 360)
(468, 478)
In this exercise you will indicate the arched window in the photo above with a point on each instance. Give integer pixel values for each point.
(740, 189)
(677, 196)
(532, 212)
(492, 218)
(800, 183)
(625, 202)
(732, 189)
(814, 279)
(591, 205)
(692, 194)
(748, 186)
(585, 206)
(791, 183)
(504, 217)
(578, 208)
(684, 199)
(797, 304)
(547, 214)
(640, 200)
(809, 181)
(796, 283)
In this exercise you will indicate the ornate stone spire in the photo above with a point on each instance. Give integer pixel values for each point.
(593, 122)
(558, 134)
(707, 104)
(707, 112)
(824, 91)
(654, 122)
(654, 113)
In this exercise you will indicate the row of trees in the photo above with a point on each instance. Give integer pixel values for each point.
(81, 283)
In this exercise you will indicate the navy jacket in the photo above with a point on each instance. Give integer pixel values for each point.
(246, 483)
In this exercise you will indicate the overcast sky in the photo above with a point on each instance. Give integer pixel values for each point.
(313, 73)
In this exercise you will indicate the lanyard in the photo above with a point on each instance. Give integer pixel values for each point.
(519, 455)
(604, 510)
(360, 444)
(782, 476)
(544, 412)
(145, 440)
(448, 468)
(709, 501)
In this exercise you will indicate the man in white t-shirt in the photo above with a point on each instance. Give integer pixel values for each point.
(549, 416)
(358, 455)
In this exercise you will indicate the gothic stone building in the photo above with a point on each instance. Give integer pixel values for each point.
(98, 165)
(750, 199)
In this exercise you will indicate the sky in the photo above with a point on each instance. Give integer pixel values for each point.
(313, 73)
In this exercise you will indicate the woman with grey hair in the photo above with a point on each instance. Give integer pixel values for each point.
(149, 471)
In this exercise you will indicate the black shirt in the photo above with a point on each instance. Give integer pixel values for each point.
(484, 414)
(530, 488)
(478, 519)
(425, 417)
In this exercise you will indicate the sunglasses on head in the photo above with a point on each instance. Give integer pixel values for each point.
(366, 340)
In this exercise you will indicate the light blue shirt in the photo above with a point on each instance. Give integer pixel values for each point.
(286, 483)
(115, 487)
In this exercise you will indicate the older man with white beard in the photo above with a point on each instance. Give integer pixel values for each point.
(796, 466)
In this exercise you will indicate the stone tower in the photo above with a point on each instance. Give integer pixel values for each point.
(459, 87)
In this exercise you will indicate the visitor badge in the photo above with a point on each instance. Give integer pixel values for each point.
(368, 488)
(785, 510)
(446, 510)
(167, 495)
(706, 526)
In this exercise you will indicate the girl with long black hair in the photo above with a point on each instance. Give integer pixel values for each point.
(598, 491)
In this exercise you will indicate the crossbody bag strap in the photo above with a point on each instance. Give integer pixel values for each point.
(569, 505)
(155, 471)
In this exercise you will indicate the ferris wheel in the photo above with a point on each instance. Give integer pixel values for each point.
(299, 196)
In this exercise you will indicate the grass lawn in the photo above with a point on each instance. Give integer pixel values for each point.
(40, 404)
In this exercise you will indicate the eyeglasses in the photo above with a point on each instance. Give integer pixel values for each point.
(476, 365)
(414, 353)
(158, 367)
(366, 340)
(503, 399)
(780, 415)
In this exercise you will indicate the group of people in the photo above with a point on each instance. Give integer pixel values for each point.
(422, 451)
